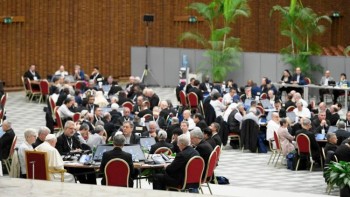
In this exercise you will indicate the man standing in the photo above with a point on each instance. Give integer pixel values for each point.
(55, 161)
(6, 140)
(175, 172)
(117, 152)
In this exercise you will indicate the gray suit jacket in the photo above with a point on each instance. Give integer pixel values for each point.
(323, 79)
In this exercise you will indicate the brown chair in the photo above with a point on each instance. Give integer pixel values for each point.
(44, 89)
(52, 106)
(117, 173)
(193, 174)
(261, 110)
(164, 150)
(8, 160)
(37, 166)
(209, 173)
(303, 143)
(128, 105)
(278, 147)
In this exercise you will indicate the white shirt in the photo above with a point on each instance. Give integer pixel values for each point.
(218, 107)
(191, 123)
(21, 154)
(65, 112)
(227, 99)
(64, 73)
(305, 112)
(270, 128)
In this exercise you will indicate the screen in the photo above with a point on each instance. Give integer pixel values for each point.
(291, 116)
(85, 159)
(147, 142)
(332, 129)
(266, 104)
(100, 150)
(135, 151)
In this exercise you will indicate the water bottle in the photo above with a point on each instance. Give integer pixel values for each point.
(323, 131)
(93, 150)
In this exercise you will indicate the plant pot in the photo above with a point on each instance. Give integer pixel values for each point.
(345, 191)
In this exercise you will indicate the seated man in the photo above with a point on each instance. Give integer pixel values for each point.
(306, 127)
(66, 142)
(6, 140)
(130, 137)
(162, 136)
(152, 97)
(324, 82)
(158, 119)
(64, 111)
(343, 152)
(54, 158)
(341, 133)
(29, 135)
(272, 126)
(301, 111)
(215, 128)
(42, 133)
(235, 118)
(187, 117)
(92, 140)
(117, 152)
(200, 122)
(61, 71)
(320, 124)
(95, 75)
(202, 146)
(207, 137)
(334, 116)
(152, 130)
(331, 144)
(126, 117)
(175, 172)
(32, 75)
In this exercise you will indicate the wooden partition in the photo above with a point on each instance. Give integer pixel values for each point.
(101, 32)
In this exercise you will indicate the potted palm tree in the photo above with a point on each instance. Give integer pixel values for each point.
(300, 24)
(221, 48)
(339, 174)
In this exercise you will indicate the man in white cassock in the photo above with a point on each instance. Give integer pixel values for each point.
(54, 159)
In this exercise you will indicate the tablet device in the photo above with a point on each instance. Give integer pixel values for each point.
(135, 151)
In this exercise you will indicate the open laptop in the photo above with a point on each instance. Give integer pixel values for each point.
(147, 142)
(320, 136)
(136, 152)
(332, 129)
(291, 116)
(100, 150)
(266, 104)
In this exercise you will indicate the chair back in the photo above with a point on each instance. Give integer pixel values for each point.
(193, 171)
(24, 84)
(37, 165)
(164, 150)
(183, 99)
(211, 165)
(117, 173)
(128, 105)
(12, 150)
(28, 84)
(79, 85)
(303, 143)
(261, 110)
(147, 117)
(307, 80)
(44, 87)
(76, 117)
(192, 99)
(217, 149)
(58, 118)
(277, 141)
(263, 96)
(290, 109)
(3, 100)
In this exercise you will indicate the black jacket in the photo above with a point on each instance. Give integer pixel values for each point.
(159, 144)
(330, 147)
(37, 142)
(176, 170)
(170, 131)
(154, 100)
(343, 153)
(342, 135)
(317, 128)
(204, 88)
(115, 116)
(30, 76)
(118, 153)
(6, 143)
(64, 144)
(249, 134)
(204, 149)
(233, 124)
(217, 140)
(202, 124)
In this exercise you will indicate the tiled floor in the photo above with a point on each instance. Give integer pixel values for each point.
(248, 171)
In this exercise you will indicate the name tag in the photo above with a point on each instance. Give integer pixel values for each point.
(35, 78)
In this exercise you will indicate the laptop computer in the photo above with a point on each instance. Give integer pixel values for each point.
(332, 129)
(100, 150)
(266, 104)
(320, 136)
(291, 116)
(136, 152)
(147, 142)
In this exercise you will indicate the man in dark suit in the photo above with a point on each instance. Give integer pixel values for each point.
(197, 91)
(320, 123)
(152, 130)
(203, 147)
(90, 106)
(162, 136)
(206, 86)
(6, 140)
(31, 74)
(175, 172)
(341, 133)
(66, 142)
(289, 101)
(207, 137)
(130, 137)
(158, 119)
(153, 98)
(190, 85)
(138, 106)
(96, 75)
(126, 117)
(42, 133)
(174, 125)
(331, 144)
(299, 79)
(115, 114)
(306, 127)
(215, 128)
(200, 122)
(117, 152)
(343, 152)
